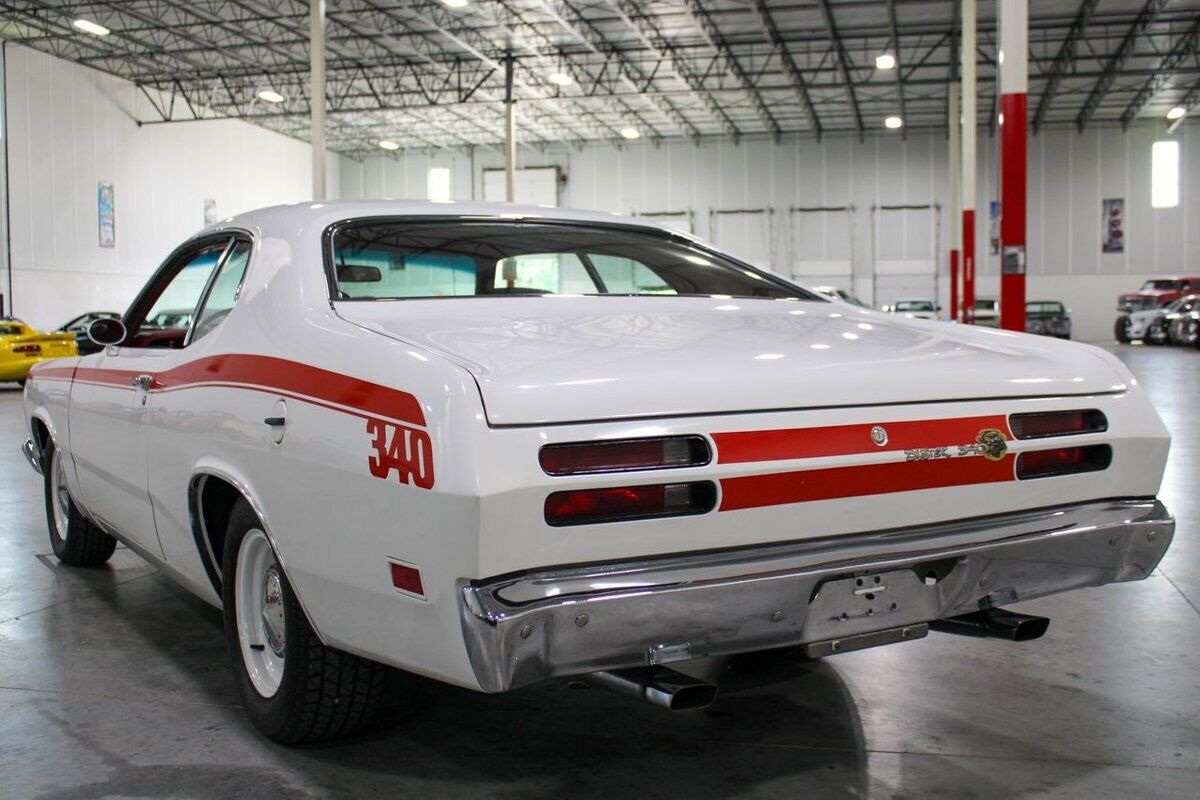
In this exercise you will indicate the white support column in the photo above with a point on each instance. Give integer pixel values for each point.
(316, 56)
(510, 132)
(969, 116)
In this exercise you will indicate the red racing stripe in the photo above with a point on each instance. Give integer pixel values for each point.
(805, 486)
(296, 378)
(42, 371)
(841, 440)
(269, 374)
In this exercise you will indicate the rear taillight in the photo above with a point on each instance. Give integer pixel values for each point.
(624, 455)
(585, 506)
(1063, 461)
(1057, 423)
(28, 349)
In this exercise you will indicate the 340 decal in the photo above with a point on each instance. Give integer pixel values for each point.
(407, 450)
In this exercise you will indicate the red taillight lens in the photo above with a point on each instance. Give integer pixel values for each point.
(1063, 461)
(585, 506)
(27, 348)
(1057, 423)
(624, 455)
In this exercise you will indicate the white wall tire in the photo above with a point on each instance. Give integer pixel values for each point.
(294, 688)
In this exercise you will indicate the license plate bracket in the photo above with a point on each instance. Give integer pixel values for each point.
(867, 602)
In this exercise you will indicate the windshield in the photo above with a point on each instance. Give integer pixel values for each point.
(1044, 308)
(985, 305)
(1158, 286)
(391, 259)
(914, 305)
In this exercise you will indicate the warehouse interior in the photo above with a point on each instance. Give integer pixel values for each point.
(828, 142)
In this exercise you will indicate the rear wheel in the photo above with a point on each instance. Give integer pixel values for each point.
(75, 540)
(1121, 330)
(1156, 334)
(294, 688)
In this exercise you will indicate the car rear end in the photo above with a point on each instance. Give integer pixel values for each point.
(18, 354)
(630, 544)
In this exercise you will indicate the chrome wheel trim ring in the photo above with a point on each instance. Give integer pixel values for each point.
(259, 618)
(60, 497)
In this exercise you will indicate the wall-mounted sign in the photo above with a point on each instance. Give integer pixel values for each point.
(1112, 225)
(994, 226)
(210, 212)
(106, 215)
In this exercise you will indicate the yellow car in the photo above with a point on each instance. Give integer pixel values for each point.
(21, 347)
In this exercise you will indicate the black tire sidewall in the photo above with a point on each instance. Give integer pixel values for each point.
(57, 543)
(271, 715)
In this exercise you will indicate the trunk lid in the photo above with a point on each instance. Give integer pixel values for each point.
(559, 359)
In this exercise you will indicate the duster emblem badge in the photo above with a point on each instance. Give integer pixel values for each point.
(879, 435)
(991, 444)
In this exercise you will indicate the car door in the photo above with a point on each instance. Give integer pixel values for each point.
(112, 393)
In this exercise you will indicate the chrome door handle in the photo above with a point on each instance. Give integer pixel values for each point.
(144, 382)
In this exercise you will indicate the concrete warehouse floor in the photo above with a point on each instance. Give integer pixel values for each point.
(114, 682)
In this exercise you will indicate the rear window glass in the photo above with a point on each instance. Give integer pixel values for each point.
(394, 259)
(10, 330)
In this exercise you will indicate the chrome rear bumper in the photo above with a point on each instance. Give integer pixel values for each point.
(525, 628)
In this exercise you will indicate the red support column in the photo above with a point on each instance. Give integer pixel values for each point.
(954, 285)
(968, 263)
(1013, 24)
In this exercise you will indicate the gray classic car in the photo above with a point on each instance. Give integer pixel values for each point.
(1048, 318)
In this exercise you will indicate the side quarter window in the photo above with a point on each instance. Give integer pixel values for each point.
(223, 291)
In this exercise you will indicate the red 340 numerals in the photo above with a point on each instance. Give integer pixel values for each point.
(409, 451)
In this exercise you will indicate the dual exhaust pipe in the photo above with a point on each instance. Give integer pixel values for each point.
(674, 691)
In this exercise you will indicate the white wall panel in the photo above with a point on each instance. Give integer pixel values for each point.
(71, 128)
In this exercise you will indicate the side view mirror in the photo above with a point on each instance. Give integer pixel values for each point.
(106, 331)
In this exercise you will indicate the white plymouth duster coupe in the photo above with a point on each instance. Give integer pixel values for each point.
(494, 445)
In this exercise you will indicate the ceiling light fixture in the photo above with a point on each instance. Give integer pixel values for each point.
(885, 61)
(631, 133)
(87, 26)
(560, 79)
(1176, 112)
(454, 3)
(388, 144)
(892, 123)
(270, 96)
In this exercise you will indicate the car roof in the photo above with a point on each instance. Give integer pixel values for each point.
(323, 214)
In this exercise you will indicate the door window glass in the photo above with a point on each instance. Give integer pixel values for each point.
(224, 292)
(173, 309)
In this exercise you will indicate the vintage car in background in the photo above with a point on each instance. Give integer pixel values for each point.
(987, 312)
(837, 293)
(913, 309)
(1148, 326)
(1048, 318)
(21, 347)
(1155, 293)
(458, 439)
(1180, 320)
(79, 327)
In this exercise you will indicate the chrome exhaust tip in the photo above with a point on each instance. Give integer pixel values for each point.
(994, 623)
(658, 686)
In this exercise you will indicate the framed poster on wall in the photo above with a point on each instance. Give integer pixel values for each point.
(106, 215)
(1112, 223)
(994, 226)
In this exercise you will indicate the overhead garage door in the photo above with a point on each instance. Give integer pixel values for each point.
(904, 244)
(745, 233)
(822, 240)
(532, 186)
